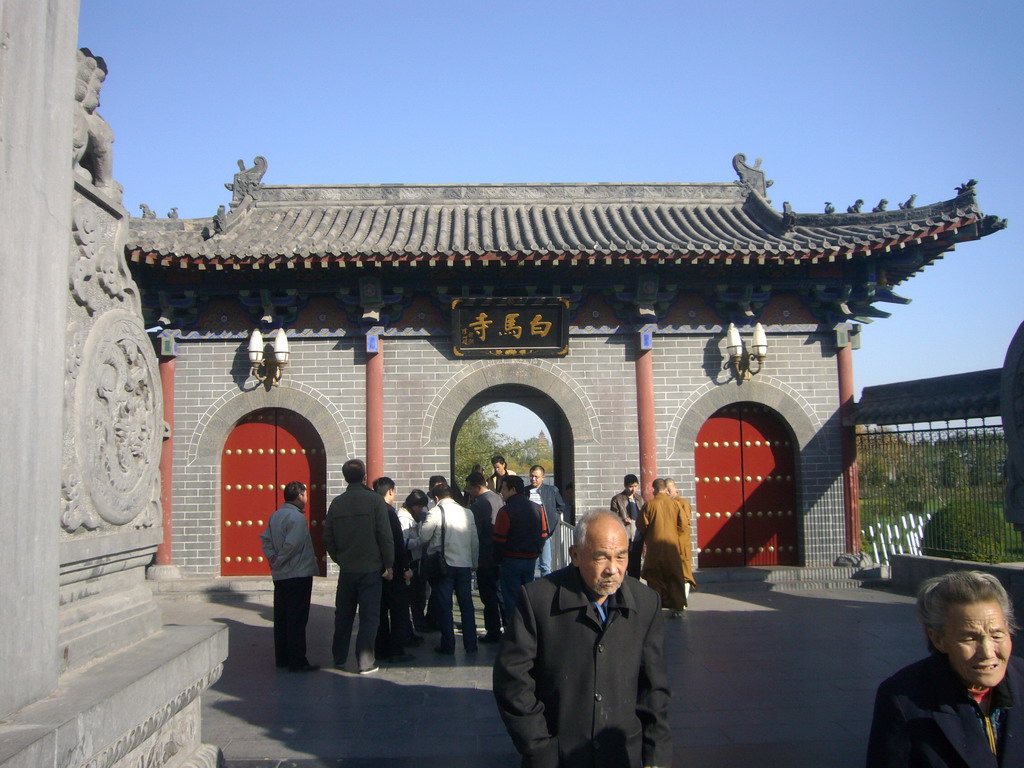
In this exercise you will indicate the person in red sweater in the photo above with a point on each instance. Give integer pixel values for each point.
(520, 531)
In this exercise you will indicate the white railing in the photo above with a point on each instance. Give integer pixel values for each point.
(565, 538)
(899, 537)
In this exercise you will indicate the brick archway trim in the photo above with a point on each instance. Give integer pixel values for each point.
(452, 398)
(218, 421)
(782, 399)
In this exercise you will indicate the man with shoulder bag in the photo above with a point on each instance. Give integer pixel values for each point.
(451, 557)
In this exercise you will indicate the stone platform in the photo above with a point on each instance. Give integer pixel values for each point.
(760, 679)
(139, 706)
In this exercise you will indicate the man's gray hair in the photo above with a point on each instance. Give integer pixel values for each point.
(584, 523)
(938, 593)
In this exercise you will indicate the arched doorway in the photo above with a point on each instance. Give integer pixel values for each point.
(266, 450)
(746, 489)
(561, 472)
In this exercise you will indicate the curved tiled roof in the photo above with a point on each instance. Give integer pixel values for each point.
(943, 398)
(532, 223)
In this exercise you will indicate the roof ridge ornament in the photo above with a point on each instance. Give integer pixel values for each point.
(788, 217)
(967, 186)
(247, 181)
(751, 177)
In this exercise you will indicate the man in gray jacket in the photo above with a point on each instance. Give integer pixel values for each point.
(289, 550)
(357, 534)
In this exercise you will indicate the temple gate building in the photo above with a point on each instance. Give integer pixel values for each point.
(607, 309)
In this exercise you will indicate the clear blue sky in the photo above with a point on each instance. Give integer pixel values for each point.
(841, 100)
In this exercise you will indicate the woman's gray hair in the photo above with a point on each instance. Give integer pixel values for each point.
(584, 523)
(938, 593)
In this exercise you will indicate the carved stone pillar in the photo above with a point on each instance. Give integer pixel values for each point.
(113, 435)
(129, 687)
(1012, 407)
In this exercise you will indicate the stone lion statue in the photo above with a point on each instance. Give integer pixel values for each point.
(93, 156)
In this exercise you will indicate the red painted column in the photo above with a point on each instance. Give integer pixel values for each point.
(848, 431)
(164, 554)
(645, 420)
(374, 409)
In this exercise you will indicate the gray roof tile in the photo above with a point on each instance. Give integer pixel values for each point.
(682, 222)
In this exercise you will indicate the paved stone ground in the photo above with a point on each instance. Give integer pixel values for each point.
(759, 680)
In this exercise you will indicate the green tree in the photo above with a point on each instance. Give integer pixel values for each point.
(479, 439)
(476, 443)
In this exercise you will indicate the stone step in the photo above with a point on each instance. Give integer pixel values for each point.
(239, 588)
(785, 578)
(710, 580)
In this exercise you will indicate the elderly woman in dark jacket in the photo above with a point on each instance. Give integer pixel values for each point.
(963, 706)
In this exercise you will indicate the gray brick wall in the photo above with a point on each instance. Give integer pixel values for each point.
(425, 390)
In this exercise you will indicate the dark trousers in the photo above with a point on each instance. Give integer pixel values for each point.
(636, 550)
(395, 630)
(356, 591)
(460, 582)
(514, 572)
(418, 596)
(291, 612)
(487, 584)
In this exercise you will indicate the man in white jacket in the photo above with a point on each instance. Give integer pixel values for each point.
(289, 550)
(451, 523)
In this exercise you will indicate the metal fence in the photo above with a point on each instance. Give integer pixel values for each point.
(935, 489)
(564, 539)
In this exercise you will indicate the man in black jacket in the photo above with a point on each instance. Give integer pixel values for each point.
(485, 506)
(395, 629)
(580, 679)
(357, 535)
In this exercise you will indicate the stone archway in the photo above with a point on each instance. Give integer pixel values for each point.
(544, 408)
(782, 399)
(214, 427)
(204, 453)
(817, 470)
(555, 397)
(452, 399)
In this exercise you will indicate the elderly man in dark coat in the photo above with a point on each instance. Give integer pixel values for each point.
(580, 678)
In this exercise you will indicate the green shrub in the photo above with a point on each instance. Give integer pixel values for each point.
(972, 530)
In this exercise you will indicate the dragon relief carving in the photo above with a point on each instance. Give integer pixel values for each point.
(74, 514)
(118, 429)
(99, 276)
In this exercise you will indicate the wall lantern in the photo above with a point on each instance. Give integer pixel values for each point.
(743, 360)
(268, 370)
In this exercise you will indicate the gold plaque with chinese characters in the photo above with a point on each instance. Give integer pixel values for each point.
(513, 328)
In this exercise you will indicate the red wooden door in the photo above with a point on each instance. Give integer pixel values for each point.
(746, 490)
(265, 451)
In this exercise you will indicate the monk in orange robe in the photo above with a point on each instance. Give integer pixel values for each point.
(662, 525)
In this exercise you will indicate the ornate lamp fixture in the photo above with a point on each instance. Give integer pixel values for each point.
(742, 360)
(268, 370)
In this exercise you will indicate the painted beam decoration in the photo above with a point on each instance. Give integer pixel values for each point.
(510, 327)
